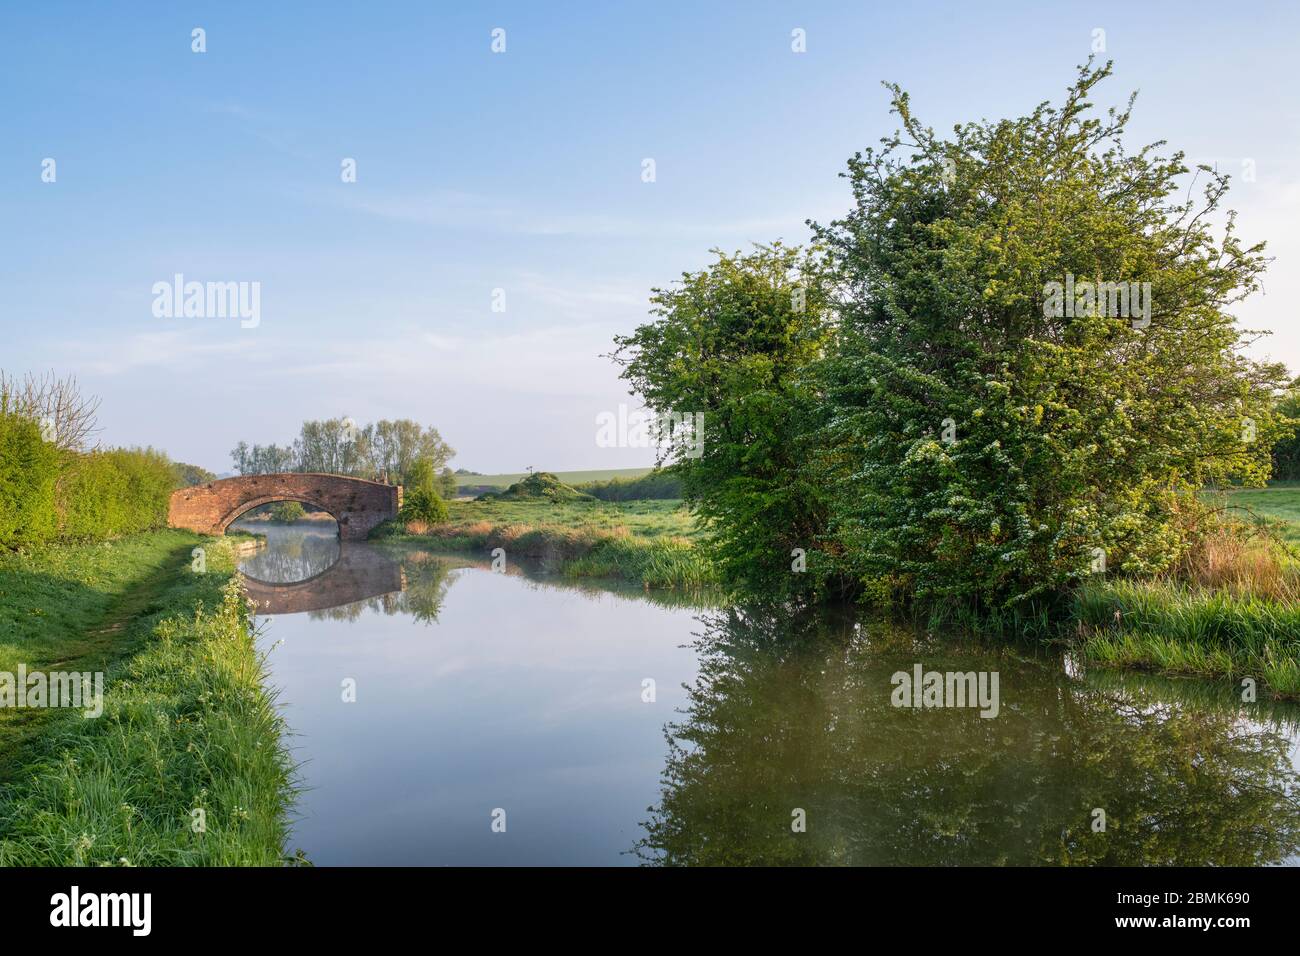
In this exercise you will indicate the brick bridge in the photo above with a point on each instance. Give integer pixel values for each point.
(356, 504)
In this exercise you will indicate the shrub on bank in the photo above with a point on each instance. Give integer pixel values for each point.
(420, 499)
(47, 494)
(423, 506)
(927, 406)
(105, 494)
(29, 469)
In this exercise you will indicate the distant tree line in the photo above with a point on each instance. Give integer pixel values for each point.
(1286, 452)
(187, 475)
(658, 484)
(380, 451)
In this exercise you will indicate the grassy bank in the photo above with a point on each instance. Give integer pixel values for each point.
(1232, 611)
(187, 723)
(646, 542)
(1175, 628)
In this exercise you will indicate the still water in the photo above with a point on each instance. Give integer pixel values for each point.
(434, 701)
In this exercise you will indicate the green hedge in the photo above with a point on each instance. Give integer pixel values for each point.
(29, 469)
(105, 494)
(47, 495)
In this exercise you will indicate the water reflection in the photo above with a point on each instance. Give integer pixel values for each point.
(793, 711)
(422, 582)
(309, 569)
(477, 690)
(294, 552)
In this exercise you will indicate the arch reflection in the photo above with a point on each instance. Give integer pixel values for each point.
(357, 573)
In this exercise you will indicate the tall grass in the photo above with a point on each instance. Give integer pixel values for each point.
(1231, 609)
(187, 726)
(1242, 561)
(663, 563)
(1170, 627)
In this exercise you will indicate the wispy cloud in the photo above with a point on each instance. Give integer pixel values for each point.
(116, 355)
(268, 128)
(554, 360)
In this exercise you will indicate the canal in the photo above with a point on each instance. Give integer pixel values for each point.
(443, 712)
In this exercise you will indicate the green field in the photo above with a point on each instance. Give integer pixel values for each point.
(646, 542)
(1281, 503)
(641, 519)
(568, 477)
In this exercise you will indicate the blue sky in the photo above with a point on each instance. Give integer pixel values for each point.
(518, 171)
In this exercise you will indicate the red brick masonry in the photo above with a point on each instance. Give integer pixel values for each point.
(356, 504)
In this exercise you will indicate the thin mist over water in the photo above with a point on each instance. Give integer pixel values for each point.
(294, 552)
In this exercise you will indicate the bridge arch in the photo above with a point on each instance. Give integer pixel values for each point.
(245, 507)
(356, 504)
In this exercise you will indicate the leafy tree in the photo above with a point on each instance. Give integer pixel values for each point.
(335, 446)
(1032, 367)
(287, 512)
(985, 440)
(420, 499)
(398, 444)
(186, 476)
(447, 485)
(1286, 451)
(384, 449)
(729, 343)
(264, 459)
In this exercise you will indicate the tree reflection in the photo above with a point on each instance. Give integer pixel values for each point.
(424, 580)
(293, 556)
(792, 710)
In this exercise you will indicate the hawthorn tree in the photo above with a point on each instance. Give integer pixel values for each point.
(1017, 364)
(999, 422)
